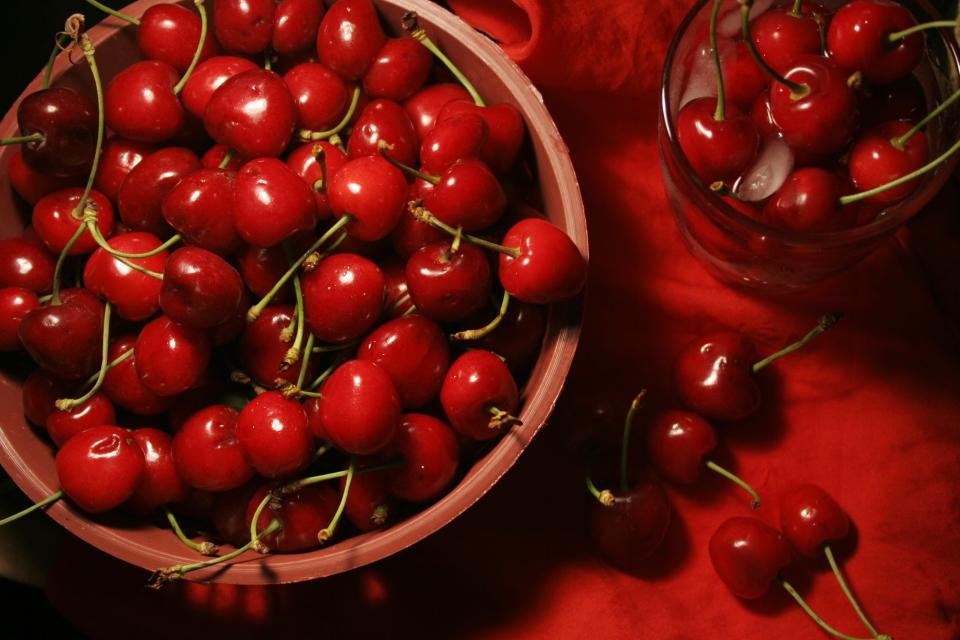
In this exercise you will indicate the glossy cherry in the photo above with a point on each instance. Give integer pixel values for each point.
(161, 483)
(200, 289)
(67, 122)
(360, 409)
(303, 513)
(447, 285)
(321, 96)
(809, 200)
(456, 138)
(65, 339)
(748, 555)
(810, 518)
(384, 120)
(25, 265)
(170, 33)
(506, 131)
(123, 386)
(467, 195)
(262, 349)
(15, 304)
(368, 505)
(859, 40)
(207, 78)
(201, 209)
(479, 395)
(117, 159)
(262, 268)
(141, 194)
(716, 149)
(398, 302)
(55, 222)
(39, 393)
(400, 68)
(878, 157)
(207, 453)
(295, 24)
(424, 106)
(780, 35)
(219, 154)
(252, 113)
(97, 411)
(139, 103)
(744, 81)
(548, 266)
(350, 37)
(171, 357)
(244, 26)
(30, 184)
(100, 468)
(371, 190)
(273, 432)
(303, 161)
(343, 297)
(133, 294)
(271, 203)
(714, 376)
(430, 456)
(632, 527)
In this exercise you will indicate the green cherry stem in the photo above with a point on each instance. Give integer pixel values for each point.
(204, 548)
(306, 135)
(824, 323)
(846, 590)
(66, 404)
(120, 358)
(797, 91)
(293, 353)
(295, 390)
(227, 157)
(740, 482)
(177, 88)
(320, 157)
(101, 241)
(635, 404)
(425, 216)
(327, 532)
(89, 53)
(604, 496)
(796, 11)
(255, 539)
(90, 220)
(823, 625)
(114, 12)
(720, 113)
(900, 141)
(59, 43)
(61, 260)
(411, 25)
(40, 505)
(476, 334)
(385, 146)
(935, 24)
(323, 376)
(33, 137)
(295, 485)
(327, 348)
(933, 164)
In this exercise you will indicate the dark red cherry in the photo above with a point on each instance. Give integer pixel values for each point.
(424, 107)
(252, 113)
(133, 294)
(448, 286)
(123, 386)
(55, 222)
(368, 503)
(875, 160)
(170, 33)
(360, 408)
(859, 40)
(201, 208)
(371, 190)
(15, 304)
(411, 234)
(629, 530)
(262, 268)
(744, 81)
(747, 555)
(809, 200)
(321, 96)
(65, 338)
(207, 453)
(384, 120)
(97, 411)
(430, 454)
(901, 100)
(207, 78)
(349, 38)
(25, 265)
(142, 192)
(716, 149)
(39, 393)
(780, 36)
(549, 267)
(400, 68)
(505, 126)
(413, 351)
(295, 24)
(762, 116)
(31, 185)
(677, 442)
(398, 302)
(161, 483)
(139, 102)
(273, 433)
(200, 288)
(117, 159)
(456, 138)
(262, 349)
(271, 203)
(477, 390)
(714, 376)
(518, 337)
(303, 162)
(810, 518)
(217, 154)
(303, 513)
(468, 195)
(230, 514)
(245, 26)
(171, 357)
(67, 121)
(343, 297)
(100, 468)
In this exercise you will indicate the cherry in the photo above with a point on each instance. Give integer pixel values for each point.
(343, 297)
(200, 289)
(544, 266)
(448, 285)
(387, 121)
(400, 68)
(262, 268)
(133, 293)
(63, 425)
(479, 395)
(40, 392)
(373, 192)
(140, 103)
(207, 452)
(747, 555)
(245, 26)
(430, 456)
(122, 384)
(100, 468)
(15, 304)
(882, 155)
(424, 107)
(368, 503)
(117, 159)
(782, 34)
(321, 96)
(207, 78)
(411, 234)
(140, 198)
(809, 200)
(413, 351)
(65, 338)
(30, 184)
(744, 81)
(221, 154)
(456, 138)
(295, 24)
(201, 208)
(859, 39)
(171, 357)
(350, 37)
(302, 513)
(263, 349)
(272, 431)
(632, 525)
(505, 126)
(252, 113)
(717, 148)
(25, 265)
(65, 125)
(55, 222)
(359, 409)
(230, 514)
(467, 195)
(810, 518)
(518, 337)
(272, 203)
(170, 33)
(398, 301)
(161, 484)
(762, 117)
(316, 173)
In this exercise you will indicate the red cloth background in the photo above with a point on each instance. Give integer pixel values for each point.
(871, 411)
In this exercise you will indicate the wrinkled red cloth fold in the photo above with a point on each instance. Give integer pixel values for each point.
(870, 411)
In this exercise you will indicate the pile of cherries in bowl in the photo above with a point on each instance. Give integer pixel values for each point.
(306, 273)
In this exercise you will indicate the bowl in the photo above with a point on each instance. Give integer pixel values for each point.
(28, 456)
(744, 252)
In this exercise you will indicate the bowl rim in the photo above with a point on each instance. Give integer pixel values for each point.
(564, 325)
(714, 206)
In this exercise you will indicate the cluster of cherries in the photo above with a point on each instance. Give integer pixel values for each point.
(838, 88)
(361, 264)
(714, 378)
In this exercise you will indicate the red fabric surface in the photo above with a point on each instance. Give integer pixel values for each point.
(870, 411)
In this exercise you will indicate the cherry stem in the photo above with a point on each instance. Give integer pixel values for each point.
(720, 113)
(500, 418)
(255, 542)
(258, 308)
(935, 24)
(635, 404)
(425, 216)
(40, 505)
(803, 605)
(320, 157)
(327, 348)
(95, 232)
(399, 302)
(327, 532)
(900, 141)
(204, 548)
(380, 515)
(411, 24)
(604, 497)
(307, 352)
(824, 323)
(306, 135)
(177, 88)
(798, 91)
(88, 52)
(120, 358)
(385, 146)
(295, 485)
(61, 260)
(114, 12)
(796, 11)
(90, 220)
(293, 353)
(59, 43)
(476, 334)
(33, 137)
(729, 475)
(722, 189)
(846, 590)
(66, 404)
(227, 157)
(933, 164)
(323, 376)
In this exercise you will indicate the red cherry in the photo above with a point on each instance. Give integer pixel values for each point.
(207, 78)
(371, 190)
(271, 203)
(67, 122)
(245, 26)
(413, 351)
(252, 113)
(15, 304)
(780, 36)
(677, 442)
(384, 120)
(65, 338)
(118, 157)
(132, 293)
(424, 107)
(262, 268)
(398, 301)
(762, 116)
(400, 68)
(748, 554)
(549, 267)
(518, 337)
(875, 159)
(295, 24)
(170, 33)
(30, 184)
(216, 155)
(858, 40)
(809, 200)
(714, 376)
(122, 384)
(25, 265)
(100, 468)
(810, 518)
(321, 96)
(468, 195)
(171, 357)
(343, 297)
(312, 407)
(368, 503)
(629, 530)
(448, 286)
(360, 408)
(349, 38)
(161, 482)
(63, 425)
(200, 289)
(207, 453)
(274, 435)
(303, 514)
(456, 138)
(262, 349)
(201, 208)
(39, 393)
(411, 234)
(716, 149)
(55, 223)
(139, 102)
(430, 456)
(744, 81)
(477, 392)
(506, 131)
(303, 162)
(230, 514)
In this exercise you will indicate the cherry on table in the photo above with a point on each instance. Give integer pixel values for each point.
(140, 103)
(63, 425)
(881, 155)
(274, 435)
(122, 383)
(632, 526)
(171, 357)
(859, 40)
(66, 123)
(271, 203)
(25, 265)
(321, 96)
(295, 24)
(811, 519)
(399, 70)
(133, 294)
(447, 285)
(252, 113)
(479, 395)
(207, 78)
(343, 297)
(55, 221)
(349, 37)
(100, 468)
(65, 339)
(200, 288)
(359, 408)
(140, 197)
(170, 33)
(430, 454)
(244, 26)
(748, 555)
(207, 452)
(201, 209)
